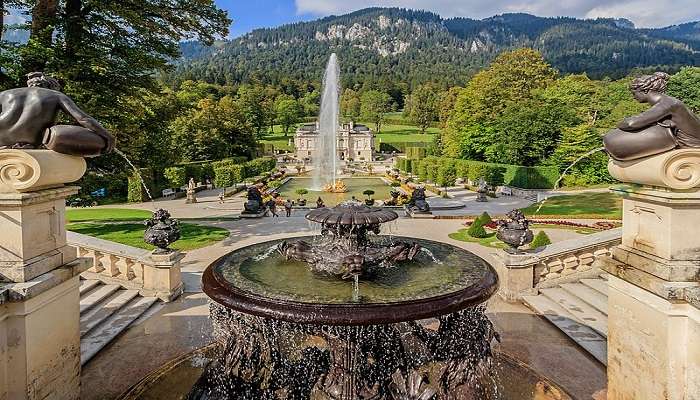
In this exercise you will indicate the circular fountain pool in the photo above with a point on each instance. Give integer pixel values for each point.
(440, 279)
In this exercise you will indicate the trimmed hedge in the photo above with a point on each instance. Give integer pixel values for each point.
(136, 192)
(176, 176)
(399, 147)
(231, 171)
(495, 174)
(416, 153)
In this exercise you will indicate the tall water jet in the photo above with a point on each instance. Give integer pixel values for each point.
(325, 158)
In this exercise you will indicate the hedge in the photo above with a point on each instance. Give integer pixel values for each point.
(495, 174)
(416, 153)
(399, 147)
(230, 171)
(136, 192)
(176, 176)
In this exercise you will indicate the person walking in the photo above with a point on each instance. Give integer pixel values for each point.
(288, 207)
(272, 205)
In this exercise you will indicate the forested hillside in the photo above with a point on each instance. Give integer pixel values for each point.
(413, 47)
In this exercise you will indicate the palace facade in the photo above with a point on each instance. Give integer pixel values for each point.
(355, 142)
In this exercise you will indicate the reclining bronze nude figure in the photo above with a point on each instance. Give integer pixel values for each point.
(667, 125)
(28, 121)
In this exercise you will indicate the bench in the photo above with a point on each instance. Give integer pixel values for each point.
(168, 192)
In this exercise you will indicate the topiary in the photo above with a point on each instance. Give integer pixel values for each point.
(476, 229)
(485, 218)
(540, 240)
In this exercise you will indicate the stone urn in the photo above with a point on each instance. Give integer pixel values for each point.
(162, 231)
(514, 231)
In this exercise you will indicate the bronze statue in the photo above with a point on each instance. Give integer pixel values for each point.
(254, 205)
(418, 203)
(28, 121)
(667, 125)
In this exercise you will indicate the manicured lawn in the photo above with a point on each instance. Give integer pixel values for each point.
(583, 205)
(493, 242)
(193, 236)
(489, 241)
(106, 214)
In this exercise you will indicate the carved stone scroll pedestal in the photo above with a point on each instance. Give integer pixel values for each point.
(39, 277)
(654, 319)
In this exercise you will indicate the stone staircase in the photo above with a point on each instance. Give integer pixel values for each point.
(106, 310)
(580, 310)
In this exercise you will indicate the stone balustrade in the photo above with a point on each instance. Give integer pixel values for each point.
(561, 262)
(153, 275)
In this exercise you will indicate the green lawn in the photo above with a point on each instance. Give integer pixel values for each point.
(106, 214)
(389, 134)
(193, 236)
(489, 241)
(583, 205)
(493, 242)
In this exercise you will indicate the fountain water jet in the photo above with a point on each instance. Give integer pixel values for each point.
(325, 158)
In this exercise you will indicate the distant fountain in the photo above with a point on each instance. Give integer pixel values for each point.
(325, 159)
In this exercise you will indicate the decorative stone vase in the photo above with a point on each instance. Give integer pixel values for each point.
(162, 231)
(514, 231)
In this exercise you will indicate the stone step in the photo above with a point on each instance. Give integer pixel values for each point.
(104, 310)
(600, 285)
(96, 296)
(592, 297)
(590, 340)
(582, 312)
(105, 332)
(87, 285)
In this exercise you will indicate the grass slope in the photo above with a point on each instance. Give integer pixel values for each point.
(193, 236)
(583, 205)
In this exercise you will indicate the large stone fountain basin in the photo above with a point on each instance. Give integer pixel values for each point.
(272, 287)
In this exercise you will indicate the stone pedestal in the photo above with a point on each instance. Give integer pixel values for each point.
(515, 275)
(653, 348)
(164, 278)
(654, 322)
(191, 197)
(39, 296)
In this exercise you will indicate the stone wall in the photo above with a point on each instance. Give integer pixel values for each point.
(130, 267)
(561, 262)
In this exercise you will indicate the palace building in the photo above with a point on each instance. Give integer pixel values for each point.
(355, 142)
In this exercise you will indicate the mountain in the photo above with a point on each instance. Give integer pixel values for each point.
(379, 44)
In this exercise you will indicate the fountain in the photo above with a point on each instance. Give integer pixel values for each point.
(325, 158)
(291, 327)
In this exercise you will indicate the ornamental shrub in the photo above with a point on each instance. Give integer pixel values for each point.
(540, 240)
(485, 218)
(476, 229)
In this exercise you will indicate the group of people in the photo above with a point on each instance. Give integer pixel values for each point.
(288, 204)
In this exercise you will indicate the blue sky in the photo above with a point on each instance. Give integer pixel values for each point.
(250, 14)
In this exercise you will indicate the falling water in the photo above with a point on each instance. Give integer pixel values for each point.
(136, 170)
(563, 174)
(326, 154)
(356, 289)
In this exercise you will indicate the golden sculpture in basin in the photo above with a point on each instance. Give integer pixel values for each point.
(336, 187)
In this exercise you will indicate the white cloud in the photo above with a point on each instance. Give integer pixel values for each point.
(644, 13)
